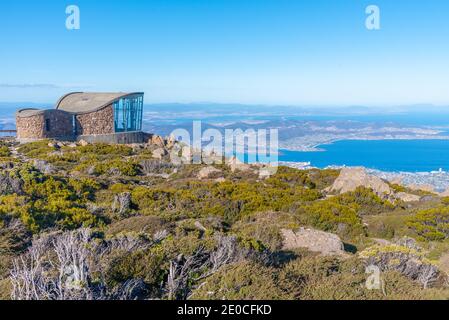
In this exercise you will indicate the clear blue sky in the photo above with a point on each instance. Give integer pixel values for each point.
(315, 52)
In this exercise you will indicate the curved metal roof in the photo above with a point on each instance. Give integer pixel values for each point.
(31, 112)
(86, 102)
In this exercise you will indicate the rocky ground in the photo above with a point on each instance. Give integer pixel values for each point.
(142, 222)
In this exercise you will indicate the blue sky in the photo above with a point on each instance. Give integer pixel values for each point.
(315, 52)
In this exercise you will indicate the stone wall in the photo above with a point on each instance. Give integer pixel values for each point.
(30, 127)
(94, 123)
(34, 127)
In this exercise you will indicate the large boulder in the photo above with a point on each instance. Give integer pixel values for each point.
(313, 240)
(171, 141)
(207, 172)
(159, 153)
(407, 197)
(352, 178)
(236, 165)
(157, 141)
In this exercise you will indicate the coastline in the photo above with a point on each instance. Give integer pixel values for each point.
(318, 146)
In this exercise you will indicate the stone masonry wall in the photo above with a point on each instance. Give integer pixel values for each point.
(94, 123)
(34, 127)
(30, 127)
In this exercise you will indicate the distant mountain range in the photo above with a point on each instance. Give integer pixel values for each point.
(163, 117)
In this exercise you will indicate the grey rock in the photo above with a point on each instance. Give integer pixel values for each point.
(313, 240)
(206, 172)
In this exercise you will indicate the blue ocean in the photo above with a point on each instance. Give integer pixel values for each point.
(384, 155)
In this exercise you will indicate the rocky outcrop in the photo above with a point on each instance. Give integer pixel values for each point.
(407, 197)
(313, 240)
(266, 171)
(235, 164)
(207, 172)
(159, 153)
(352, 178)
(161, 142)
(157, 141)
(171, 142)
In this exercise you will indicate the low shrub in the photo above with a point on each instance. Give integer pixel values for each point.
(242, 281)
(431, 224)
(112, 167)
(4, 151)
(106, 149)
(332, 216)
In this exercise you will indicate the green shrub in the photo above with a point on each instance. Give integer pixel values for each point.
(266, 228)
(368, 202)
(431, 224)
(312, 179)
(388, 226)
(117, 188)
(445, 200)
(229, 200)
(330, 215)
(36, 149)
(114, 166)
(324, 278)
(242, 281)
(84, 188)
(49, 201)
(149, 265)
(323, 178)
(147, 224)
(4, 151)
